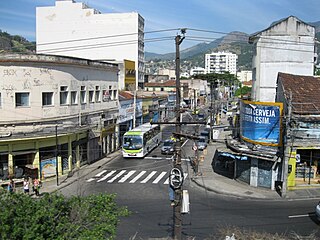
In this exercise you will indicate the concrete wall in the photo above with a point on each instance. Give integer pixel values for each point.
(286, 47)
(109, 36)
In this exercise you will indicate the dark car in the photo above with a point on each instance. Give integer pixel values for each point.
(206, 134)
(168, 147)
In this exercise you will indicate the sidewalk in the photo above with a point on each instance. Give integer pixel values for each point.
(50, 185)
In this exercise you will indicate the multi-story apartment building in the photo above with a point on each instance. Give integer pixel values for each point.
(286, 46)
(220, 62)
(197, 70)
(57, 113)
(74, 29)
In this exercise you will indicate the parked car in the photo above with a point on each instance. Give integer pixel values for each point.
(318, 211)
(168, 147)
(202, 143)
(201, 117)
(206, 135)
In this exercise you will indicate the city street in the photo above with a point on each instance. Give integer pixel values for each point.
(142, 185)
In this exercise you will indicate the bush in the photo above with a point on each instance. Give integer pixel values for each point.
(56, 217)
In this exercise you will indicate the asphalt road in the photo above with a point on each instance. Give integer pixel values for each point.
(142, 186)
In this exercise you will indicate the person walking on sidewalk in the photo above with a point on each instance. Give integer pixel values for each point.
(26, 185)
(11, 186)
(36, 186)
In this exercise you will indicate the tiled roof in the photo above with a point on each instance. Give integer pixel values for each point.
(247, 83)
(125, 95)
(170, 83)
(304, 89)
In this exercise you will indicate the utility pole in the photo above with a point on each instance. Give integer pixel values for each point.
(56, 155)
(177, 216)
(211, 109)
(285, 148)
(195, 101)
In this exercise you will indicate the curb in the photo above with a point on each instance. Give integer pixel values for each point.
(116, 154)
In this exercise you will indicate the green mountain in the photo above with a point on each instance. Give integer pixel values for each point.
(15, 43)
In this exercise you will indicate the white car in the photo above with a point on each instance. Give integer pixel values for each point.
(202, 143)
(318, 211)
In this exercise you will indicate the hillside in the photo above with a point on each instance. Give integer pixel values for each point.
(15, 43)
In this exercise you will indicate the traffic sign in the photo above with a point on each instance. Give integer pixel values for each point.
(176, 178)
(194, 147)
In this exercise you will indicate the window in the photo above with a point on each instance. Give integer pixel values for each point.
(83, 95)
(91, 99)
(47, 99)
(74, 99)
(98, 99)
(63, 95)
(22, 99)
(115, 95)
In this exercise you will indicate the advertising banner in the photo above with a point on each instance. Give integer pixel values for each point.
(48, 167)
(260, 122)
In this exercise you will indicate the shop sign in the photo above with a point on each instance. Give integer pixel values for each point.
(260, 122)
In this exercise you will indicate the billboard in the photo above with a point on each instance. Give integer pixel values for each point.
(260, 122)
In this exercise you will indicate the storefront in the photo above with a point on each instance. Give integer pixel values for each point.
(304, 167)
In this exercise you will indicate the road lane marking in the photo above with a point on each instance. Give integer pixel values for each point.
(185, 143)
(100, 173)
(137, 177)
(300, 216)
(125, 178)
(117, 176)
(90, 179)
(159, 177)
(148, 177)
(106, 176)
(166, 182)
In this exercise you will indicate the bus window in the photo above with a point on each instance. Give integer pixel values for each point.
(132, 142)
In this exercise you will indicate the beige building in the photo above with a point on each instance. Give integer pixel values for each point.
(57, 113)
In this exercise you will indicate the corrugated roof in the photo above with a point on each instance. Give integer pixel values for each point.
(304, 89)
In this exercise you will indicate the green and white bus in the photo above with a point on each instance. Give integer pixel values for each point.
(141, 140)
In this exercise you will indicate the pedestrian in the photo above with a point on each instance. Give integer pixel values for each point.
(36, 186)
(26, 185)
(11, 186)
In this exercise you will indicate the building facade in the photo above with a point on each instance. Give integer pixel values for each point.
(74, 29)
(57, 113)
(302, 147)
(286, 46)
(220, 62)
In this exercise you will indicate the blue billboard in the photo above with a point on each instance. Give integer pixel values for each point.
(260, 122)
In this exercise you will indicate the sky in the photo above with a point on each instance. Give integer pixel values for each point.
(205, 20)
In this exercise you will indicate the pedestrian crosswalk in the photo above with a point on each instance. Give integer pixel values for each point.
(132, 176)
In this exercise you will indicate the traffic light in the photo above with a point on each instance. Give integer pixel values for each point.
(176, 178)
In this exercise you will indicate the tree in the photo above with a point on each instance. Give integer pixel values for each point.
(55, 217)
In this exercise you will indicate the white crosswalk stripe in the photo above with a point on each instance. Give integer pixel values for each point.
(138, 176)
(125, 178)
(106, 176)
(117, 176)
(159, 177)
(100, 173)
(122, 176)
(148, 177)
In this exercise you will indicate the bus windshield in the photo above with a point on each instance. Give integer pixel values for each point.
(132, 142)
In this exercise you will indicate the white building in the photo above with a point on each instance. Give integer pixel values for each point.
(286, 46)
(74, 29)
(50, 100)
(244, 76)
(197, 70)
(220, 62)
